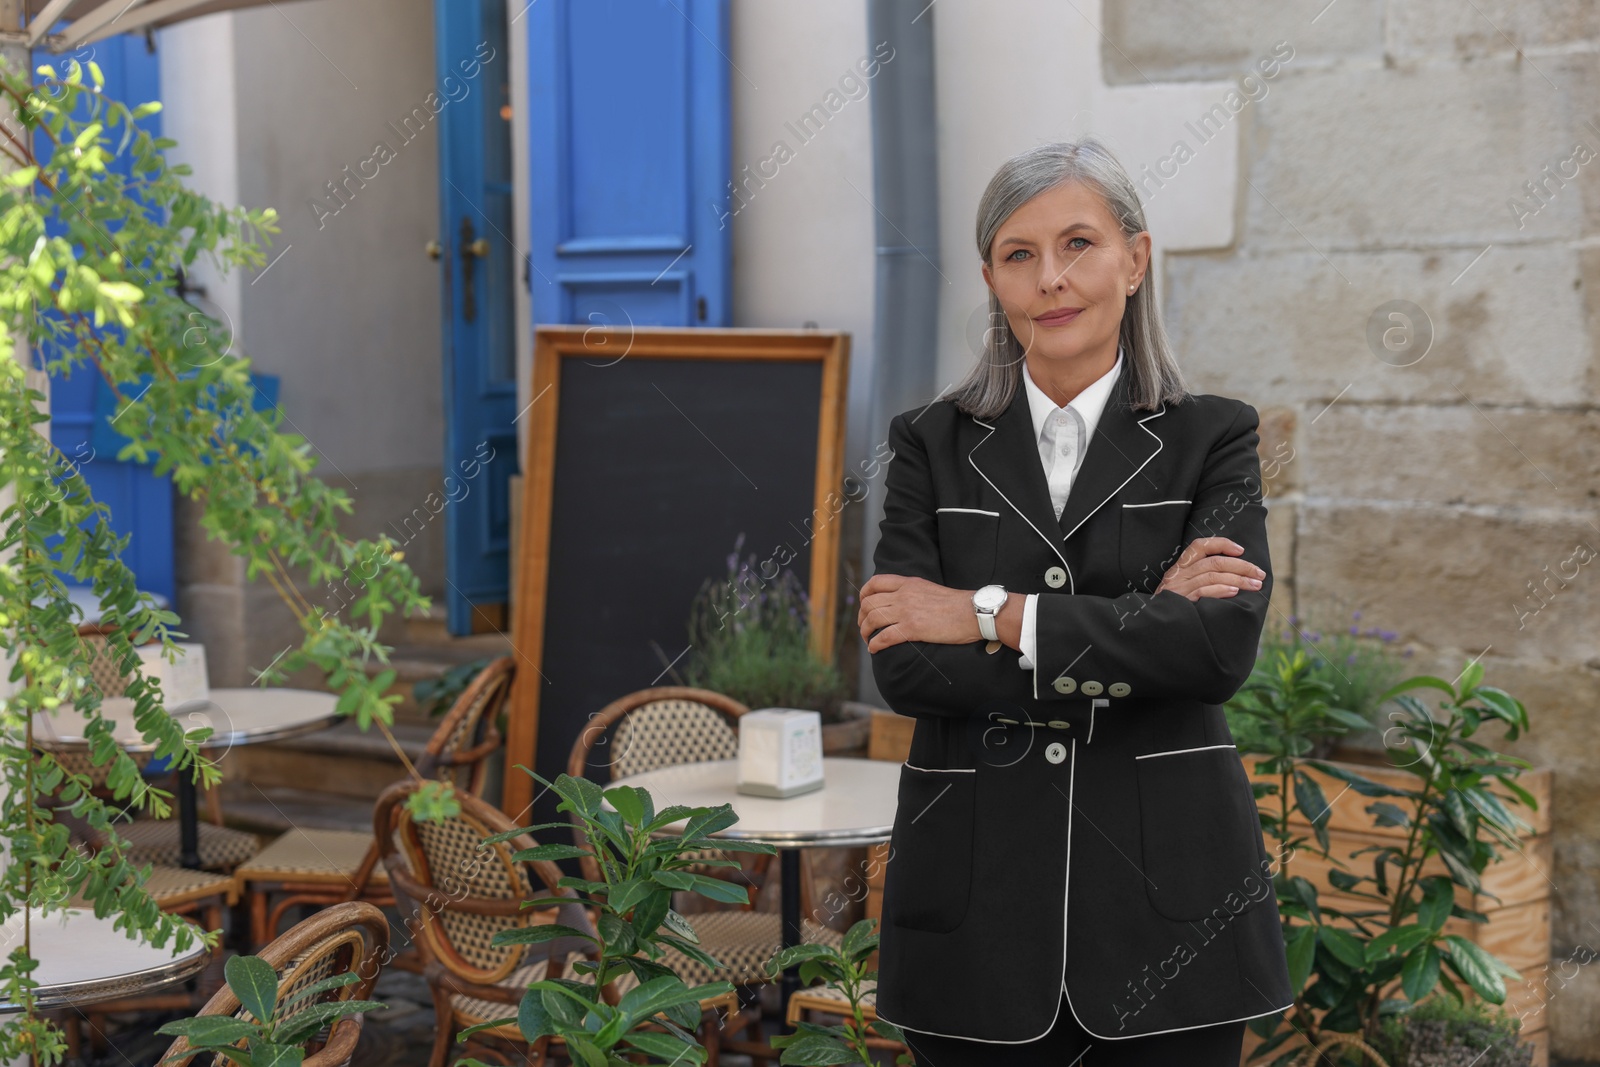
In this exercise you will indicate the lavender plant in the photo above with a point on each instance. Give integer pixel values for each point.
(751, 639)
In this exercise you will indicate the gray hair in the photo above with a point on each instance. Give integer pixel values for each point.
(1154, 377)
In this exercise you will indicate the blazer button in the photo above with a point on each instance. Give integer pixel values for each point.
(1055, 752)
(1055, 577)
(1118, 689)
(1065, 685)
(1059, 724)
(1092, 688)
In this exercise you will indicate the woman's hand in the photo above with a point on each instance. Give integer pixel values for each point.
(1207, 568)
(915, 609)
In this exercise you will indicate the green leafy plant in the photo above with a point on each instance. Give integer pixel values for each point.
(751, 636)
(641, 864)
(1358, 663)
(1443, 1032)
(95, 229)
(845, 969)
(275, 1033)
(1285, 710)
(1344, 961)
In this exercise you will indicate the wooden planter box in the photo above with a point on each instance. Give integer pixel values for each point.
(1518, 930)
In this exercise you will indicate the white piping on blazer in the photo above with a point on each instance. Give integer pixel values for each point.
(1177, 751)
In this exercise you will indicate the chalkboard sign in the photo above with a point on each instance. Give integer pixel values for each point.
(649, 452)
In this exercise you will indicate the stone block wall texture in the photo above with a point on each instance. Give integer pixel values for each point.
(1444, 155)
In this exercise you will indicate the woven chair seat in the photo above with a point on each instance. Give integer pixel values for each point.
(331, 856)
(172, 887)
(742, 942)
(156, 841)
(470, 1010)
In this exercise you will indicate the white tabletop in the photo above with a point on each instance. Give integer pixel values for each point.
(243, 716)
(855, 805)
(82, 959)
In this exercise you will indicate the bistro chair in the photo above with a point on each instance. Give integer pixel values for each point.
(147, 840)
(460, 892)
(353, 936)
(318, 867)
(670, 725)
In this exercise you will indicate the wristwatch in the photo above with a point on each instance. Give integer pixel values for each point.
(987, 602)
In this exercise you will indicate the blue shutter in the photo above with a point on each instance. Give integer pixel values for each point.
(629, 148)
(140, 503)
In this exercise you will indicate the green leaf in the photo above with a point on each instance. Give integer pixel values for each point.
(1343, 945)
(625, 799)
(1301, 947)
(303, 1025)
(537, 934)
(810, 1049)
(658, 994)
(532, 1018)
(1476, 967)
(1399, 939)
(209, 1030)
(1420, 973)
(549, 852)
(277, 1055)
(255, 983)
(1438, 894)
(860, 939)
(665, 1047)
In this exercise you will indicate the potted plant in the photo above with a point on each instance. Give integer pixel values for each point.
(641, 867)
(1372, 930)
(750, 635)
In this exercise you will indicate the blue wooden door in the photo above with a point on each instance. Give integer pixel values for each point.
(630, 175)
(478, 259)
(629, 149)
(139, 502)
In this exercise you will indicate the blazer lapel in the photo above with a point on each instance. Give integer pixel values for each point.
(1007, 456)
(1121, 446)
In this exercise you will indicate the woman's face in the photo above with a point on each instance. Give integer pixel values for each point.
(1061, 270)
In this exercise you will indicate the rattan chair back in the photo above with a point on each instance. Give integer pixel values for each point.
(353, 936)
(459, 749)
(463, 890)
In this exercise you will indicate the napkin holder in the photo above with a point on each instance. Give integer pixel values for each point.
(780, 752)
(182, 682)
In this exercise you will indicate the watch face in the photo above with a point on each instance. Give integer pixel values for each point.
(989, 598)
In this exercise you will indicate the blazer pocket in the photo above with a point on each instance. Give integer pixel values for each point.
(928, 880)
(1200, 836)
(1152, 536)
(968, 541)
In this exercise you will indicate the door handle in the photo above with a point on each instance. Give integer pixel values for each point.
(472, 248)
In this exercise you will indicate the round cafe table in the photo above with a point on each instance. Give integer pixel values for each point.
(82, 959)
(855, 806)
(247, 715)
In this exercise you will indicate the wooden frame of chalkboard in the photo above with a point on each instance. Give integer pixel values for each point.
(648, 450)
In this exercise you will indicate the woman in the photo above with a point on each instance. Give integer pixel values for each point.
(1071, 580)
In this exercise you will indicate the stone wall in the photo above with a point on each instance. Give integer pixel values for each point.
(1409, 300)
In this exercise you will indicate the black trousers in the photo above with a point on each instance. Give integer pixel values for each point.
(1068, 1045)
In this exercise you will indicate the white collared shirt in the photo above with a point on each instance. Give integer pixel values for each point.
(1063, 434)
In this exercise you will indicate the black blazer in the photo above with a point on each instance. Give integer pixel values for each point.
(1086, 825)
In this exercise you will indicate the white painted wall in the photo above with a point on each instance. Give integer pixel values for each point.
(1025, 72)
(349, 314)
(803, 237)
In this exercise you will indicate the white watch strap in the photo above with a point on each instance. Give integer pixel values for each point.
(986, 626)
